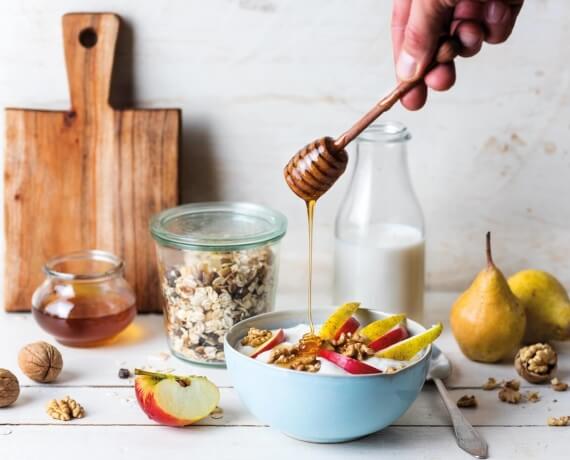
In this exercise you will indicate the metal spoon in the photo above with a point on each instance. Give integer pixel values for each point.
(467, 437)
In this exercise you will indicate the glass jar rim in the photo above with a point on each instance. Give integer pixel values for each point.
(385, 131)
(190, 226)
(117, 265)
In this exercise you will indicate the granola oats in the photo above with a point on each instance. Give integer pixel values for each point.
(467, 401)
(558, 385)
(210, 292)
(564, 420)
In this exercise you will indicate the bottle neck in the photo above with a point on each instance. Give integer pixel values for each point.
(380, 193)
(382, 167)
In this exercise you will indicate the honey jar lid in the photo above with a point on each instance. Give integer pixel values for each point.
(218, 226)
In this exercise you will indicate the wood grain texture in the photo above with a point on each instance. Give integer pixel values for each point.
(90, 177)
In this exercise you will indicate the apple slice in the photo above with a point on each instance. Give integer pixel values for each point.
(275, 339)
(400, 332)
(350, 365)
(350, 326)
(173, 400)
(337, 320)
(378, 328)
(407, 349)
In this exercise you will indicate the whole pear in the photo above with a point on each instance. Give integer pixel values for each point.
(487, 320)
(547, 305)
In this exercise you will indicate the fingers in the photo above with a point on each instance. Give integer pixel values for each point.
(415, 98)
(500, 17)
(471, 36)
(442, 77)
(426, 21)
(400, 15)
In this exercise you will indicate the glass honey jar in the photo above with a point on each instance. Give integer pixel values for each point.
(85, 299)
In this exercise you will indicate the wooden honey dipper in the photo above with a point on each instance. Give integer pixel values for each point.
(316, 167)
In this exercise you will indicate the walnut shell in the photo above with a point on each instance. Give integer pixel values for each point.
(40, 361)
(522, 365)
(9, 388)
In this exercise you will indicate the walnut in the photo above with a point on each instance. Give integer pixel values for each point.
(255, 337)
(9, 388)
(559, 421)
(536, 363)
(558, 385)
(352, 345)
(532, 396)
(65, 409)
(491, 384)
(288, 357)
(512, 384)
(510, 396)
(391, 370)
(40, 361)
(467, 401)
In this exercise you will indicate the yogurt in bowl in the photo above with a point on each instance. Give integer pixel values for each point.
(330, 405)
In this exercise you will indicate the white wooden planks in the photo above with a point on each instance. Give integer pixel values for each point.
(116, 428)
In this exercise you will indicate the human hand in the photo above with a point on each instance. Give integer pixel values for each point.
(417, 26)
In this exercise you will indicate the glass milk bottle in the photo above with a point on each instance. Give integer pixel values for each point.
(379, 230)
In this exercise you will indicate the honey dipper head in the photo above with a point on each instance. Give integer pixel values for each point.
(315, 168)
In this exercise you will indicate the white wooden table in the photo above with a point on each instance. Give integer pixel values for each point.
(115, 427)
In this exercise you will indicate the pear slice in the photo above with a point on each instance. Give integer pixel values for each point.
(407, 349)
(378, 328)
(335, 321)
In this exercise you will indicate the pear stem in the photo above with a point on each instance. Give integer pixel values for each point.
(490, 262)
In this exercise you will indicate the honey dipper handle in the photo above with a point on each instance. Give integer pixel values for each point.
(447, 52)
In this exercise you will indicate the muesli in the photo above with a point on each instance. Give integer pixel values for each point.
(209, 293)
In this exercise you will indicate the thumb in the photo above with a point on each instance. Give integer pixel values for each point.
(425, 25)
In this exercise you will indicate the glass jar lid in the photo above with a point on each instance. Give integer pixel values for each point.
(218, 226)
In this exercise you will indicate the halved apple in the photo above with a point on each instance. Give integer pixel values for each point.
(400, 332)
(350, 365)
(407, 349)
(175, 401)
(275, 339)
(337, 320)
(350, 326)
(378, 328)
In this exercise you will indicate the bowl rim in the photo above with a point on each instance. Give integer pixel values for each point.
(426, 352)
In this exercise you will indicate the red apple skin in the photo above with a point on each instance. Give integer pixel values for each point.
(144, 386)
(391, 337)
(350, 365)
(277, 338)
(351, 325)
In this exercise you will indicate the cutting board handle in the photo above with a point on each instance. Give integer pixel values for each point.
(89, 41)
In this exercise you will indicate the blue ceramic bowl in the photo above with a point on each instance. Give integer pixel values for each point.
(321, 408)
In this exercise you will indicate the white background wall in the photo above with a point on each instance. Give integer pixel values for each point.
(257, 79)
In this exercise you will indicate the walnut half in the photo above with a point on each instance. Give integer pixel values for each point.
(536, 363)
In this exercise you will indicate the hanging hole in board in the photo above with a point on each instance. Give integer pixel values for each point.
(88, 38)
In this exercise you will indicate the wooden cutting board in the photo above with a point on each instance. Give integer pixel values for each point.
(87, 178)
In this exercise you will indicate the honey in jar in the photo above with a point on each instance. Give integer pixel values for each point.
(85, 299)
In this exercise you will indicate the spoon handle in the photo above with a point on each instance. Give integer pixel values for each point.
(467, 437)
(446, 52)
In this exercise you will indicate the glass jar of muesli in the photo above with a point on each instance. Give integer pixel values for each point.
(218, 264)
